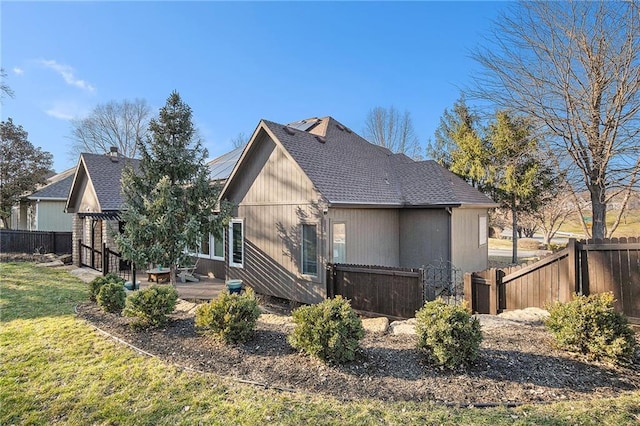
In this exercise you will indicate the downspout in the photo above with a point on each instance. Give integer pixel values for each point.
(450, 234)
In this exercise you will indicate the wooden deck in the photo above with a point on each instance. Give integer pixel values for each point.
(205, 289)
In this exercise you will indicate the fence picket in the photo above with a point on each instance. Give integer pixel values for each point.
(592, 266)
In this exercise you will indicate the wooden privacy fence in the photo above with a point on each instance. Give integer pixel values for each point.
(585, 267)
(395, 292)
(18, 241)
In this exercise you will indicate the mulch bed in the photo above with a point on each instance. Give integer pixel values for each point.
(517, 364)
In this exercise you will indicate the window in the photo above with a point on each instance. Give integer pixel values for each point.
(482, 230)
(309, 250)
(204, 246)
(218, 247)
(339, 239)
(236, 243)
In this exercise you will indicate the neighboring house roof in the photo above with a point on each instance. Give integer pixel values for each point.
(348, 170)
(220, 168)
(57, 187)
(103, 172)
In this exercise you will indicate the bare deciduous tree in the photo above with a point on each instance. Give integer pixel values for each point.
(5, 90)
(240, 140)
(389, 128)
(575, 68)
(118, 124)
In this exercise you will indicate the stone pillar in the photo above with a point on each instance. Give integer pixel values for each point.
(76, 234)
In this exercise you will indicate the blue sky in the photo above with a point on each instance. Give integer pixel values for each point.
(235, 63)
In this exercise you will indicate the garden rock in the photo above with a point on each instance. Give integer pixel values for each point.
(407, 327)
(527, 315)
(51, 264)
(378, 325)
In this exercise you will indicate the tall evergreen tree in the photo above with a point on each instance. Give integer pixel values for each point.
(517, 175)
(459, 145)
(169, 203)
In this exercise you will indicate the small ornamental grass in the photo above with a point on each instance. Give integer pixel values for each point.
(96, 284)
(230, 318)
(591, 326)
(330, 330)
(449, 335)
(151, 306)
(111, 297)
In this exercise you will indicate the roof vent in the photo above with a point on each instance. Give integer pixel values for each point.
(321, 139)
(289, 130)
(341, 127)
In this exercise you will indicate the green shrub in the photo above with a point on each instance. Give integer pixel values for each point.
(111, 297)
(98, 282)
(591, 326)
(330, 330)
(448, 334)
(151, 306)
(231, 317)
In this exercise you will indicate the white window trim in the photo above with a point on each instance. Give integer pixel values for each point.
(199, 252)
(212, 240)
(231, 262)
(212, 251)
(483, 231)
(333, 224)
(304, 274)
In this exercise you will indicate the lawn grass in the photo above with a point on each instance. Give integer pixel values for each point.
(629, 225)
(56, 369)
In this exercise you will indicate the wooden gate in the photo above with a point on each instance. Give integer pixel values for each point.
(585, 267)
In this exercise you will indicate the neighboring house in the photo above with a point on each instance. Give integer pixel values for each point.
(95, 201)
(43, 210)
(314, 192)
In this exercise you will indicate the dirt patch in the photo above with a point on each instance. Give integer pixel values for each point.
(517, 364)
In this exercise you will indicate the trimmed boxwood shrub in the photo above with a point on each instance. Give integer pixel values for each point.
(98, 282)
(230, 318)
(448, 334)
(591, 326)
(330, 330)
(111, 297)
(151, 306)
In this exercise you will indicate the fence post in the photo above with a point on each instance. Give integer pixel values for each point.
(493, 291)
(574, 279)
(79, 253)
(468, 290)
(133, 274)
(330, 288)
(105, 260)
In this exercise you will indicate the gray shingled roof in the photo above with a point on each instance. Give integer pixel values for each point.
(105, 173)
(347, 169)
(57, 189)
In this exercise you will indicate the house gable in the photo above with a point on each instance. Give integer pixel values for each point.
(82, 196)
(266, 174)
(96, 185)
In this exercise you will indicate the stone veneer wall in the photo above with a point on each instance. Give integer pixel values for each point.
(76, 234)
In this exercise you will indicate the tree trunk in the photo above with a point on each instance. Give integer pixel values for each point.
(173, 268)
(5, 223)
(598, 212)
(514, 232)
